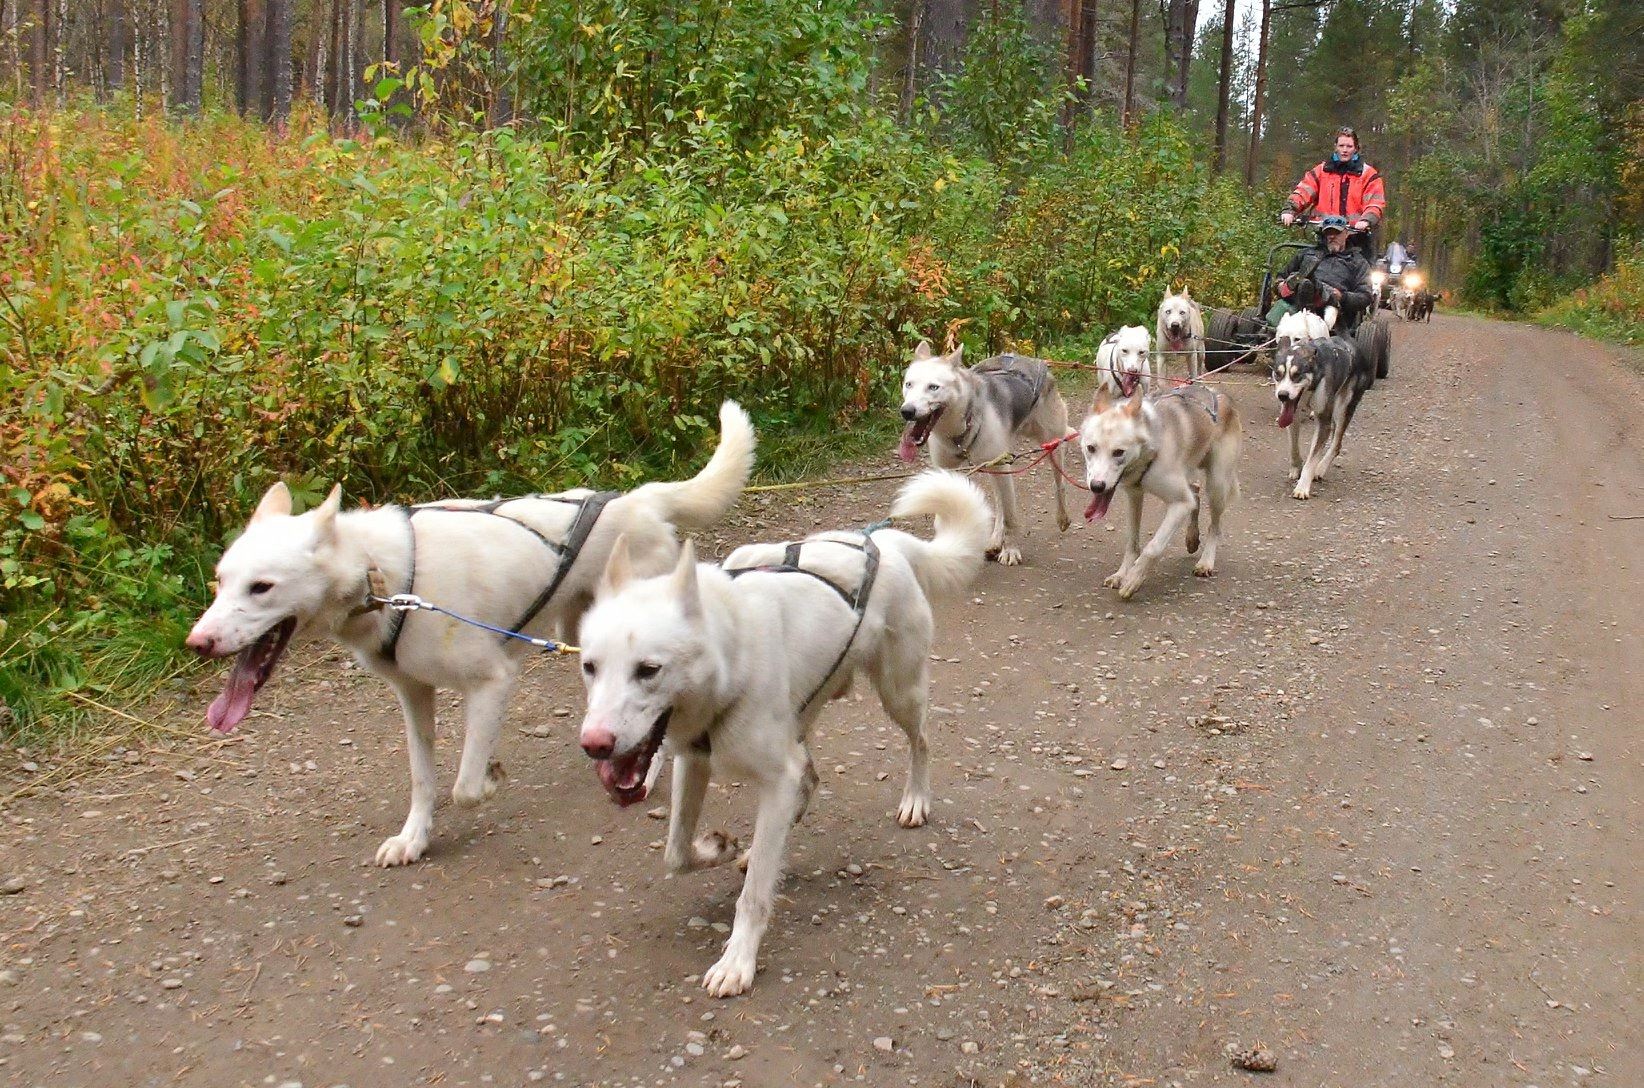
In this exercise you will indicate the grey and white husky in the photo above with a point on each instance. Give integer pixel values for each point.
(1328, 377)
(976, 414)
(729, 668)
(529, 563)
(1160, 447)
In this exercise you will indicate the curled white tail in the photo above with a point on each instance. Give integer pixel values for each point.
(951, 559)
(703, 499)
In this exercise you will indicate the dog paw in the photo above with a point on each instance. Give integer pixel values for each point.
(913, 811)
(1129, 587)
(1302, 492)
(1063, 522)
(732, 975)
(713, 848)
(1010, 556)
(401, 850)
(1114, 580)
(1192, 540)
(1202, 571)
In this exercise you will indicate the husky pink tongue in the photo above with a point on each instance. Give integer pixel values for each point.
(623, 779)
(1287, 412)
(230, 708)
(908, 449)
(1098, 505)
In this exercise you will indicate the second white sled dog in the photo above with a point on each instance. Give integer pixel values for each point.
(728, 669)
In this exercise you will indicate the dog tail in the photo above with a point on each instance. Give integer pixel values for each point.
(703, 499)
(951, 559)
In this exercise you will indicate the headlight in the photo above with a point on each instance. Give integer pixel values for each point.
(1412, 279)
(1378, 277)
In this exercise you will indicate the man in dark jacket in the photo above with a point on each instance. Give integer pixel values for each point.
(1331, 273)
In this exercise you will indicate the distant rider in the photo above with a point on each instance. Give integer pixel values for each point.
(1344, 185)
(1329, 273)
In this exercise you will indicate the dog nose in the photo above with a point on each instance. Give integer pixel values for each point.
(201, 644)
(598, 741)
(908, 412)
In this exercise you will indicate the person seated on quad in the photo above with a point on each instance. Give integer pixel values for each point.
(1397, 257)
(1329, 273)
(1344, 185)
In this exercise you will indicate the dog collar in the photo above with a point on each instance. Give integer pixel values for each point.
(962, 444)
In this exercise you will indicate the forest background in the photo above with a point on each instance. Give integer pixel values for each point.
(484, 246)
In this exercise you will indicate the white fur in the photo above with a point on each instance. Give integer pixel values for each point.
(732, 660)
(313, 568)
(1299, 325)
(940, 386)
(1180, 329)
(1124, 361)
(1159, 448)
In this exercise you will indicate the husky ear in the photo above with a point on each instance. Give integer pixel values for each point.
(956, 357)
(1133, 407)
(1102, 402)
(923, 351)
(325, 516)
(276, 503)
(619, 569)
(685, 582)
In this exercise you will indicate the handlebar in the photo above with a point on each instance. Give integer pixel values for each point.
(1313, 223)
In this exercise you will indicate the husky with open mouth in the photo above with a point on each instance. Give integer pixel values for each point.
(1124, 362)
(1180, 328)
(726, 669)
(1328, 377)
(1160, 447)
(526, 564)
(973, 415)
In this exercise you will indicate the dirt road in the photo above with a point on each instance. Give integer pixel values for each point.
(1371, 799)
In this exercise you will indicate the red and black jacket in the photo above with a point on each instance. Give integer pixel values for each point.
(1352, 189)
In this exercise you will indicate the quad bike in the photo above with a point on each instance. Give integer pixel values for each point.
(1230, 330)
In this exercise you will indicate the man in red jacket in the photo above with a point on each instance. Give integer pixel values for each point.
(1344, 185)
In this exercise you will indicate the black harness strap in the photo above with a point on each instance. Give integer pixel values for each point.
(592, 506)
(396, 617)
(858, 602)
(589, 509)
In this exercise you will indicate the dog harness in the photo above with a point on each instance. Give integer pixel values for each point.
(1191, 393)
(589, 508)
(1022, 379)
(858, 602)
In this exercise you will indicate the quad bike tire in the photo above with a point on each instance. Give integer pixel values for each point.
(1373, 340)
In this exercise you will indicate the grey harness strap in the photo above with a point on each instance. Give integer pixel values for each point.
(589, 508)
(1191, 395)
(858, 602)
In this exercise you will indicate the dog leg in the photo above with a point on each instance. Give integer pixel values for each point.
(1133, 537)
(901, 678)
(1345, 419)
(1220, 484)
(483, 708)
(1057, 410)
(1321, 436)
(417, 702)
(1180, 510)
(1004, 490)
(1295, 449)
(1193, 522)
(686, 851)
(779, 801)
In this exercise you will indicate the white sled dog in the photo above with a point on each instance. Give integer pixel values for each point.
(728, 669)
(976, 414)
(1124, 362)
(1159, 447)
(1299, 326)
(529, 564)
(1180, 330)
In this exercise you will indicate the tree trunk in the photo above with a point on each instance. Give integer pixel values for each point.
(390, 31)
(1257, 104)
(249, 51)
(39, 53)
(193, 55)
(910, 81)
(1224, 81)
(1128, 116)
(1182, 18)
(277, 79)
(59, 70)
(502, 105)
(119, 44)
